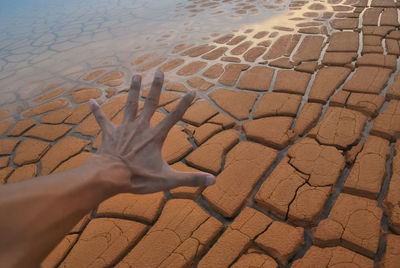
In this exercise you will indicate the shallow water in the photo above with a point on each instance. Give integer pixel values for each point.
(43, 41)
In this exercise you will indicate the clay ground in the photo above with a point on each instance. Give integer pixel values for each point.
(298, 121)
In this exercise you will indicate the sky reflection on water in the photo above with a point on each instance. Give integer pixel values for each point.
(44, 38)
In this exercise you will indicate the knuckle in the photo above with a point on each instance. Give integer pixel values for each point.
(152, 101)
(180, 111)
(179, 114)
(188, 97)
(187, 101)
(135, 86)
(174, 118)
(130, 103)
(157, 84)
(99, 117)
(158, 81)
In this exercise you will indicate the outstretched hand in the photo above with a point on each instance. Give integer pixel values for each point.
(138, 145)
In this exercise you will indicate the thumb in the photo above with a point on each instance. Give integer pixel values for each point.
(194, 178)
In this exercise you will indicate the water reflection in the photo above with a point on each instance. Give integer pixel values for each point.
(48, 40)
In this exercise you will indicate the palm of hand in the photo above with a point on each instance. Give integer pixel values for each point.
(138, 144)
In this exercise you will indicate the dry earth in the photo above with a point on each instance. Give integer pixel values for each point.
(298, 121)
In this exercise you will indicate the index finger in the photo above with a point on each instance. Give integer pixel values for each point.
(177, 114)
(133, 99)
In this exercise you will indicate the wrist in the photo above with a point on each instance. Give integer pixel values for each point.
(109, 173)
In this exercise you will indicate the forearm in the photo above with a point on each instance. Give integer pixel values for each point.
(36, 214)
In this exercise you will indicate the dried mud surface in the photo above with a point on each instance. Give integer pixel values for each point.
(298, 117)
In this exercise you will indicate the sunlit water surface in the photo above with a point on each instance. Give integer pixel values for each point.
(46, 39)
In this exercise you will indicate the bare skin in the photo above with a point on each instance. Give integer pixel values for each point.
(36, 214)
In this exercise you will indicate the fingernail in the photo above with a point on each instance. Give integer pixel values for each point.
(136, 78)
(210, 179)
(92, 103)
(158, 75)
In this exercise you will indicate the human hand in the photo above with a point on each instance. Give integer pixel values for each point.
(138, 145)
